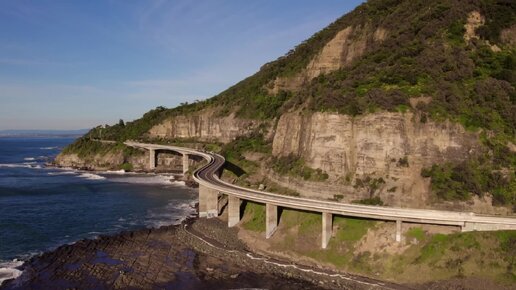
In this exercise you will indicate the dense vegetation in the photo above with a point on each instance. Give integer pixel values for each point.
(85, 147)
(424, 55)
(459, 181)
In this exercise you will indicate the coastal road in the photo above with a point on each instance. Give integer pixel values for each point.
(208, 176)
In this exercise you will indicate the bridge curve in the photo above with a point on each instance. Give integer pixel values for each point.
(211, 186)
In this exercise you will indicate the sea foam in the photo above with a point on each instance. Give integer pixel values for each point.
(20, 165)
(173, 214)
(91, 176)
(8, 270)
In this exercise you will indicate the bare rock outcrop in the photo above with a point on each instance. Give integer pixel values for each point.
(346, 46)
(203, 126)
(99, 162)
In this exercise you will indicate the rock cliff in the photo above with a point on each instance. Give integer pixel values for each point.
(101, 162)
(391, 146)
(347, 45)
(204, 126)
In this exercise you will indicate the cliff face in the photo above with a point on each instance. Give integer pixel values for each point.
(100, 162)
(393, 146)
(203, 126)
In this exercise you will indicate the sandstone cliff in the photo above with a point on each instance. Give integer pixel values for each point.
(346, 46)
(351, 148)
(101, 162)
(203, 126)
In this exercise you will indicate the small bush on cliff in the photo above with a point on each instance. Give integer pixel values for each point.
(459, 181)
(295, 166)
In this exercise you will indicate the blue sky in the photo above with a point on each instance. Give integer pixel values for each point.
(76, 64)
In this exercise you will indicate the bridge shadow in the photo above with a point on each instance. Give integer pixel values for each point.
(233, 168)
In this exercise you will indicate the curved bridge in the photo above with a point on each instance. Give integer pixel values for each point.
(211, 188)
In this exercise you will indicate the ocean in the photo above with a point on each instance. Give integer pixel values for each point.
(42, 207)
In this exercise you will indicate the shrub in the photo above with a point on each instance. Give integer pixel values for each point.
(459, 181)
(295, 166)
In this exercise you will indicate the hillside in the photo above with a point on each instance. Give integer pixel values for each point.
(401, 103)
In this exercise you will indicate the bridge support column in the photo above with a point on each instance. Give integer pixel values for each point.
(185, 163)
(271, 219)
(152, 159)
(208, 202)
(327, 227)
(233, 210)
(398, 231)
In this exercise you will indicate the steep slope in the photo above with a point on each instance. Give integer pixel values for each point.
(405, 103)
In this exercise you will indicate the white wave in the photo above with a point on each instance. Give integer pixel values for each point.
(48, 148)
(121, 171)
(14, 165)
(62, 173)
(29, 159)
(145, 179)
(20, 165)
(8, 270)
(173, 214)
(91, 176)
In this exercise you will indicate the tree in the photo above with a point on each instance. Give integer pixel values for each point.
(121, 123)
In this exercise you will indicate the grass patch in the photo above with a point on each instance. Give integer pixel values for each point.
(256, 213)
(308, 222)
(351, 229)
(416, 233)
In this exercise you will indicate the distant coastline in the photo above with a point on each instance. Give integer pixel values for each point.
(42, 133)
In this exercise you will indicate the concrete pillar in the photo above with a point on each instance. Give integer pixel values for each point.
(271, 219)
(398, 231)
(233, 210)
(327, 227)
(185, 163)
(152, 159)
(208, 202)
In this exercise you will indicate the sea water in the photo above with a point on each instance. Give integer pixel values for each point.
(42, 207)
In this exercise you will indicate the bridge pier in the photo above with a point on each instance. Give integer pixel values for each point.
(233, 210)
(208, 202)
(185, 163)
(327, 227)
(271, 219)
(152, 159)
(398, 231)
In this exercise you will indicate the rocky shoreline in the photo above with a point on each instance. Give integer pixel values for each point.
(175, 257)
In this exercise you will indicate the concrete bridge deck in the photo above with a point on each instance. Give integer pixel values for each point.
(211, 186)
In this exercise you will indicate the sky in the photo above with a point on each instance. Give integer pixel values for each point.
(70, 64)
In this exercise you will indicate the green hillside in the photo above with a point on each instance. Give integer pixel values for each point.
(423, 55)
